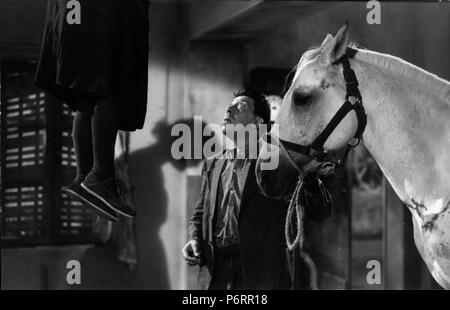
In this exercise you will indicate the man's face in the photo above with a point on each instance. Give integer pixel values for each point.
(240, 111)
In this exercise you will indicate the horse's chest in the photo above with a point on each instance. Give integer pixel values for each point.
(432, 237)
(435, 232)
(433, 228)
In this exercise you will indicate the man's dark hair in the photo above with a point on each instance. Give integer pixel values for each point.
(261, 106)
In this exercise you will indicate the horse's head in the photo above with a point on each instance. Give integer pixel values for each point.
(317, 91)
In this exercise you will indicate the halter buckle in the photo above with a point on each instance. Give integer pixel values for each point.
(358, 140)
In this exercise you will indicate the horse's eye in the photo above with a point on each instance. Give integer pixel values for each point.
(300, 99)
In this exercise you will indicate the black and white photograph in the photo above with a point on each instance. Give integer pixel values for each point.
(209, 146)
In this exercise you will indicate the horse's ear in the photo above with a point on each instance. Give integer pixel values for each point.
(341, 43)
(327, 39)
(333, 49)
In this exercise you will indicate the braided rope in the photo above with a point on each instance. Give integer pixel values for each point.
(296, 205)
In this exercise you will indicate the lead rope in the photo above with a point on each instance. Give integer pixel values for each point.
(297, 206)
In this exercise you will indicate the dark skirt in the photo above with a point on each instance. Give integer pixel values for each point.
(105, 56)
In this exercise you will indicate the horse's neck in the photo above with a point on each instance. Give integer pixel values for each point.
(408, 133)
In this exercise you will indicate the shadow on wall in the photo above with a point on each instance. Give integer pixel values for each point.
(101, 268)
(151, 201)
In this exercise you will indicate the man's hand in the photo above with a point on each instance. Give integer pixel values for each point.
(191, 252)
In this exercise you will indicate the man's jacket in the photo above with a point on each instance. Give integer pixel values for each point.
(261, 224)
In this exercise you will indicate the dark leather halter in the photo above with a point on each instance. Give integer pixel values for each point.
(315, 150)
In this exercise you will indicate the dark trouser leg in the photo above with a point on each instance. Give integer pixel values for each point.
(82, 139)
(105, 125)
(237, 280)
(219, 274)
(227, 273)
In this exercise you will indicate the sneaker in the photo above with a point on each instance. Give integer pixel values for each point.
(76, 191)
(108, 192)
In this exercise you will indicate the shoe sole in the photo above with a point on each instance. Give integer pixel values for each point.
(79, 197)
(105, 202)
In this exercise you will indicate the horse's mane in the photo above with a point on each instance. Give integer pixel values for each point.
(397, 65)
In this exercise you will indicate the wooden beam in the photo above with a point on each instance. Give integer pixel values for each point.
(254, 20)
(204, 16)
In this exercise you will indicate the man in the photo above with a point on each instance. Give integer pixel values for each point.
(235, 230)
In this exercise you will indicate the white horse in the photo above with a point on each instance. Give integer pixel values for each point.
(407, 132)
